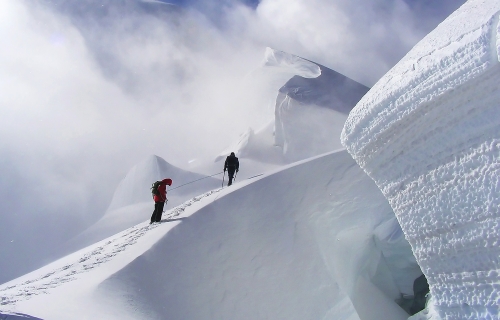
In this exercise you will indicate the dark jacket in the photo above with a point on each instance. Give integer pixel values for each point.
(231, 163)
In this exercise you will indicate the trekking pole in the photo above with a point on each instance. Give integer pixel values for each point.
(235, 176)
(223, 179)
(194, 181)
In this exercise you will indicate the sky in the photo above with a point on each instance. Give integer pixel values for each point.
(91, 88)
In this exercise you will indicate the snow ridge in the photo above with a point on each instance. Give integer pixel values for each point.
(87, 259)
(284, 60)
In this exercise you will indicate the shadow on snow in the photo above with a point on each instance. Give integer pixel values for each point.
(17, 316)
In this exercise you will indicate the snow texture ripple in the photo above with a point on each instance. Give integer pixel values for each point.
(428, 133)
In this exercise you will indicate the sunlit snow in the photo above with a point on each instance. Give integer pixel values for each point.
(428, 133)
(299, 243)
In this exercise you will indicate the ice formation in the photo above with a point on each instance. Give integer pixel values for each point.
(291, 64)
(428, 133)
(310, 111)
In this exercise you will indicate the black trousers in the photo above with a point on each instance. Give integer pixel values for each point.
(230, 174)
(156, 217)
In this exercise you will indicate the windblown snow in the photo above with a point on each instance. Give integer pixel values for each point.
(428, 133)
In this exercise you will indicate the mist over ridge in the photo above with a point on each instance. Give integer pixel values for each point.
(90, 88)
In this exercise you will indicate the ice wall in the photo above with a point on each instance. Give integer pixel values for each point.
(428, 133)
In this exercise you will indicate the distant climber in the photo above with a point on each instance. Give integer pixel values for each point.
(159, 190)
(231, 165)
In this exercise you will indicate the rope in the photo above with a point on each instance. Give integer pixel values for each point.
(255, 176)
(194, 181)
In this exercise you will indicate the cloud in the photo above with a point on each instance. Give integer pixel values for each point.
(361, 39)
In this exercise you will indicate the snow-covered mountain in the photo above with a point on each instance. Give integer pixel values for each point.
(310, 110)
(135, 187)
(428, 133)
(314, 240)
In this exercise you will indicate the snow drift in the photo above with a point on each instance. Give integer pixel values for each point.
(311, 241)
(428, 133)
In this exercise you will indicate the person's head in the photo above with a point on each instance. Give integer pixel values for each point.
(167, 181)
(232, 154)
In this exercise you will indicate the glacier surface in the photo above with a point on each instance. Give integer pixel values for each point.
(428, 134)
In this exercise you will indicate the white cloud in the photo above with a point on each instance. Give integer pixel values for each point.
(81, 104)
(361, 39)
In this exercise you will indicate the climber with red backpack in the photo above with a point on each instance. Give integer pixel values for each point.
(159, 191)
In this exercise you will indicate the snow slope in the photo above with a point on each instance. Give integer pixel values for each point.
(306, 242)
(132, 201)
(310, 109)
(135, 187)
(310, 113)
(428, 133)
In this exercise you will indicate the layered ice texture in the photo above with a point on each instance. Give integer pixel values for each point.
(428, 134)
